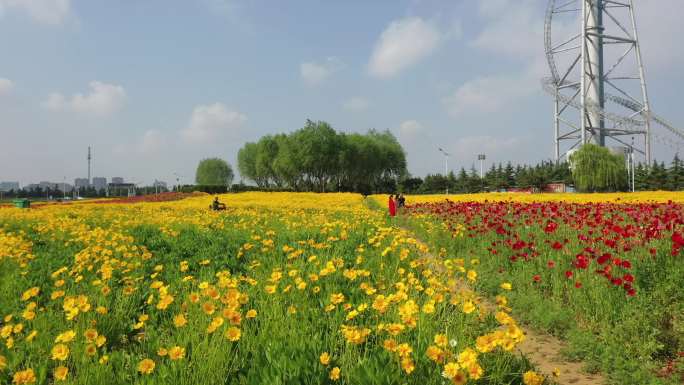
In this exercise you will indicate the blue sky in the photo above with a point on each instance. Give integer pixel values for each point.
(154, 86)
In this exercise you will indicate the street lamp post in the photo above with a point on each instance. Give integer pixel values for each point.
(481, 158)
(446, 169)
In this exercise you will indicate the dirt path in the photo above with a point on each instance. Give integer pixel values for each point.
(543, 350)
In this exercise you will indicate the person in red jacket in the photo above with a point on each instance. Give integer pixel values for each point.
(392, 205)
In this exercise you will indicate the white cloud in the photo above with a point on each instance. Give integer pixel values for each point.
(659, 23)
(103, 100)
(356, 104)
(465, 147)
(314, 73)
(6, 86)
(51, 12)
(512, 28)
(401, 45)
(488, 94)
(410, 128)
(210, 121)
(151, 142)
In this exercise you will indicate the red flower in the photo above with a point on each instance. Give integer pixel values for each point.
(578, 284)
(616, 281)
(628, 277)
(557, 245)
(568, 274)
(678, 239)
(551, 226)
(626, 264)
(550, 264)
(603, 258)
(631, 292)
(536, 278)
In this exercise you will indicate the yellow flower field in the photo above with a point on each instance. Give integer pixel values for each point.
(280, 288)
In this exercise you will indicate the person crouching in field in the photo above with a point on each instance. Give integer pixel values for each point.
(217, 206)
(392, 206)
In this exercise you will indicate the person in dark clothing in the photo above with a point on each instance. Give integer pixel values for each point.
(402, 201)
(217, 206)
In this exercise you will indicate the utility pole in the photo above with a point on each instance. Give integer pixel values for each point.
(89, 157)
(446, 169)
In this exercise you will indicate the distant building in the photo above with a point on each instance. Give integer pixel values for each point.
(99, 183)
(117, 180)
(81, 183)
(9, 186)
(120, 189)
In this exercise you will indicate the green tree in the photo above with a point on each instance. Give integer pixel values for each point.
(675, 175)
(214, 172)
(641, 177)
(657, 177)
(595, 168)
(247, 162)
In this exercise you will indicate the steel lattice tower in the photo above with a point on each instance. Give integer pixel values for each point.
(608, 89)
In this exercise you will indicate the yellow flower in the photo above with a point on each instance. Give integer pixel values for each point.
(251, 313)
(407, 365)
(459, 379)
(161, 352)
(435, 354)
(61, 373)
(233, 334)
(60, 352)
(335, 373)
(3, 362)
(30, 293)
(90, 334)
(100, 341)
(179, 321)
(67, 336)
(208, 308)
(556, 372)
(91, 350)
(532, 378)
(146, 366)
(475, 371)
(441, 340)
(24, 377)
(176, 353)
(216, 323)
(450, 370)
(325, 358)
(472, 275)
(468, 307)
(506, 286)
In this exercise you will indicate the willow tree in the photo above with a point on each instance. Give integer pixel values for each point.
(595, 168)
(214, 172)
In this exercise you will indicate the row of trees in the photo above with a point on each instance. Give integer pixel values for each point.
(497, 178)
(84, 192)
(595, 169)
(318, 158)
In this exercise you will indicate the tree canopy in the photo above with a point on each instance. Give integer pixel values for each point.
(214, 172)
(318, 158)
(595, 168)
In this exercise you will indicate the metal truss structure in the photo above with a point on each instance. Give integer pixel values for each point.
(612, 100)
